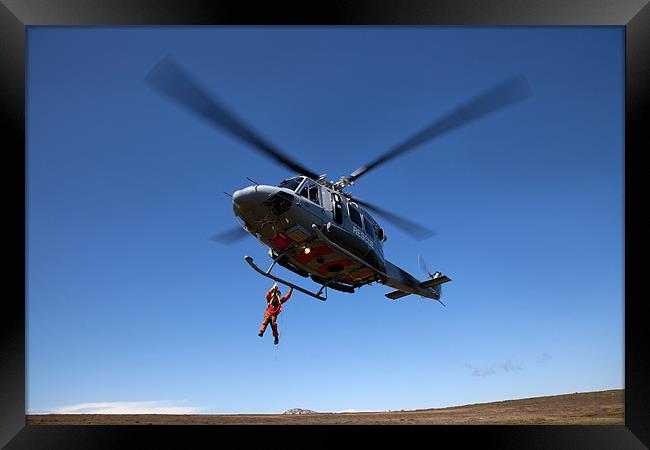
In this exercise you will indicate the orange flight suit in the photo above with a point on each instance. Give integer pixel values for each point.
(274, 307)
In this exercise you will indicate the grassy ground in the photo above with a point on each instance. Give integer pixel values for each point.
(590, 408)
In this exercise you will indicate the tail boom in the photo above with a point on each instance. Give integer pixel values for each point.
(405, 284)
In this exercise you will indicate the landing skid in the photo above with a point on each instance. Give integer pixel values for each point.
(267, 274)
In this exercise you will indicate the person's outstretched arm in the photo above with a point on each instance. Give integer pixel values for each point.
(286, 297)
(268, 295)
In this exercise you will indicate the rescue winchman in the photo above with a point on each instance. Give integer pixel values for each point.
(274, 307)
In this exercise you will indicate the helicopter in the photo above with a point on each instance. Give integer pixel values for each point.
(313, 226)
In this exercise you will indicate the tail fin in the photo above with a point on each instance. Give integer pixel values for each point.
(435, 280)
(435, 283)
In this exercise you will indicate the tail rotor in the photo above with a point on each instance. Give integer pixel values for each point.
(423, 268)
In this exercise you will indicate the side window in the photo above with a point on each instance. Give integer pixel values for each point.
(310, 192)
(355, 217)
(313, 194)
(304, 192)
(338, 209)
(368, 227)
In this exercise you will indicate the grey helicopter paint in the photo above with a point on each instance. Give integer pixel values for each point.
(288, 211)
(311, 225)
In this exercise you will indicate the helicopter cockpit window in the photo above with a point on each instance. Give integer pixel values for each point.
(313, 194)
(355, 216)
(380, 234)
(304, 192)
(291, 183)
(310, 192)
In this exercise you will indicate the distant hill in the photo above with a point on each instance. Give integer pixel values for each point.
(299, 411)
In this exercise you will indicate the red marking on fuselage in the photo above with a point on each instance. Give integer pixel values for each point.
(305, 258)
(281, 242)
(345, 262)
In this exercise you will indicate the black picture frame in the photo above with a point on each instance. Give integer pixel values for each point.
(16, 15)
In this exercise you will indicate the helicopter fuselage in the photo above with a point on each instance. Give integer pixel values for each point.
(282, 218)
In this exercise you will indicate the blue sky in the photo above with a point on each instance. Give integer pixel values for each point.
(132, 308)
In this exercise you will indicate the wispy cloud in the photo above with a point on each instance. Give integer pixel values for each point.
(544, 358)
(149, 407)
(482, 371)
(508, 365)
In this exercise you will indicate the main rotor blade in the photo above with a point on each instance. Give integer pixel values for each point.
(504, 94)
(168, 78)
(417, 232)
(230, 236)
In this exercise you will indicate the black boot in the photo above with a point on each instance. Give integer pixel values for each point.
(260, 334)
(277, 339)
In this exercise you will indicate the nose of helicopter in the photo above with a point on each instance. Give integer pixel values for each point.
(261, 208)
(249, 203)
(250, 197)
